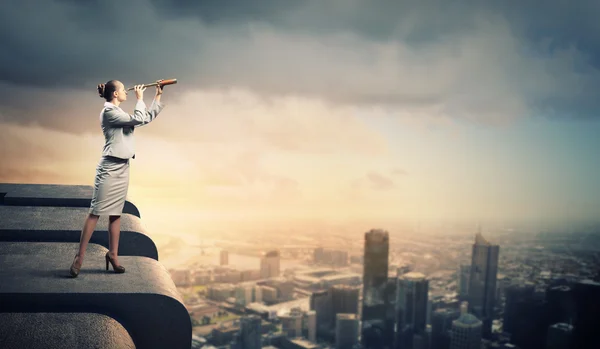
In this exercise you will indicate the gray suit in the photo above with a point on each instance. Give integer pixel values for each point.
(118, 126)
(112, 174)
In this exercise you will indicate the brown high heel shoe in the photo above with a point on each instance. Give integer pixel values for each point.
(119, 269)
(74, 271)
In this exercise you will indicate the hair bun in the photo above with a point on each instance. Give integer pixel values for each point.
(101, 90)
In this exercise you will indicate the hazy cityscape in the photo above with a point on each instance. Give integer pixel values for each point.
(484, 288)
(306, 174)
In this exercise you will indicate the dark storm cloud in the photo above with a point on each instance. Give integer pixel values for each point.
(555, 24)
(372, 19)
(563, 23)
(73, 44)
(544, 29)
(466, 59)
(230, 12)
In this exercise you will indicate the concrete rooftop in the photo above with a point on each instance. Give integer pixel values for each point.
(41, 306)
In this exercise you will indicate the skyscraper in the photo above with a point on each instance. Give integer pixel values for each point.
(311, 325)
(344, 300)
(250, 332)
(320, 302)
(411, 308)
(529, 318)
(441, 327)
(559, 336)
(346, 331)
(269, 264)
(463, 279)
(466, 331)
(561, 305)
(375, 276)
(390, 315)
(482, 281)
(587, 305)
(517, 296)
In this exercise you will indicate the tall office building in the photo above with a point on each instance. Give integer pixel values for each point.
(482, 282)
(390, 316)
(269, 264)
(441, 327)
(559, 336)
(411, 308)
(434, 301)
(311, 325)
(529, 318)
(587, 308)
(517, 296)
(464, 272)
(224, 257)
(344, 300)
(320, 302)
(421, 340)
(561, 305)
(346, 331)
(466, 331)
(250, 332)
(375, 276)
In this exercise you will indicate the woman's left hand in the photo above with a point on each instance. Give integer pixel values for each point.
(159, 88)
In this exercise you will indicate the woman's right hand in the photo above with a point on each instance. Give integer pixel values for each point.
(139, 91)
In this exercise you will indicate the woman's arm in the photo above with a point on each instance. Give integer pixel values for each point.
(118, 118)
(155, 107)
(153, 111)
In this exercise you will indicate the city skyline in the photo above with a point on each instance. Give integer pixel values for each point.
(283, 114)
(544, 289)
(528, 321)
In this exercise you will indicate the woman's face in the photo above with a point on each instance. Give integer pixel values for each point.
(120, 93)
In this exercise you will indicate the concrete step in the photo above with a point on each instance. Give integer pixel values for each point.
(53, 195)
(62, 330)
(64, 224)
(144, 300)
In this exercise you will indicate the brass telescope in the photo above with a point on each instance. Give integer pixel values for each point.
(162, 83)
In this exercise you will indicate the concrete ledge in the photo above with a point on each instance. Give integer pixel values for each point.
(64, 224)
(144, 299)
(53, 195)
(62, 330)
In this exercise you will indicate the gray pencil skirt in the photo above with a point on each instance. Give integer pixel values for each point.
(110, 186)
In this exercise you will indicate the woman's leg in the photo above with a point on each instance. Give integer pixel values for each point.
(86, 235)
(114, 231)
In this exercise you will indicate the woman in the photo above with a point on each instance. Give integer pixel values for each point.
(112, 173)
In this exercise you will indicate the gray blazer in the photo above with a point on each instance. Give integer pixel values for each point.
(118, 127)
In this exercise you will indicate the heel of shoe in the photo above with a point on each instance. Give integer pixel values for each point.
(73, 270)
(117, 268)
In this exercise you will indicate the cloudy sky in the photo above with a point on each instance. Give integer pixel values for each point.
(315, 110)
